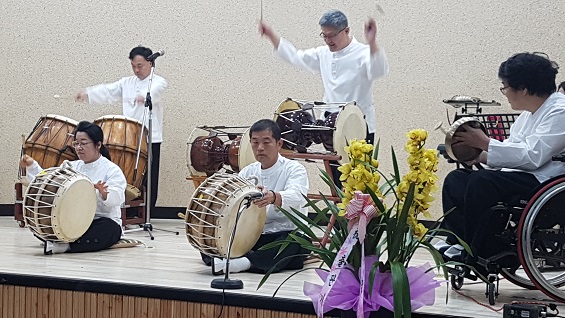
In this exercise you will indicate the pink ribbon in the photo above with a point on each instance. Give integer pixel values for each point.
(361, 208)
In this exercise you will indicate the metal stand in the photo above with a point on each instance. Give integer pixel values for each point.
(147, 226)
(226, 282)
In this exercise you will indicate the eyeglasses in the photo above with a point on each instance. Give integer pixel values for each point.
(77, 144)
(325, 37)
(503, 89)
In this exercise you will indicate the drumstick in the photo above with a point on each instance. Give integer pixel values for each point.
(380, 9)
(261, 11)
(57, 96)
(22, 153)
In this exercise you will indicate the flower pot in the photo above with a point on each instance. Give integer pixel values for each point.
(381, 313)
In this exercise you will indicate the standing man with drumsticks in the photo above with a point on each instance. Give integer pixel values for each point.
(346, 66)
(284, 183)
(131, 91)
(109, 182)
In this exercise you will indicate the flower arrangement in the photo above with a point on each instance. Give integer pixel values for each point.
(375, 235)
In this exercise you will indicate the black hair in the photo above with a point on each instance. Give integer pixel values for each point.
(266, 124)
(140, 50)
(95, 133)
(532, 71)
(562, 85)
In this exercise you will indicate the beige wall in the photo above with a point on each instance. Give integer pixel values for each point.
(222, 73)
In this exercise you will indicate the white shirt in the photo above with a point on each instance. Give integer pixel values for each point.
(347, 75)
(127, 90)
(289, 179)
(534, 139)
(100, 170)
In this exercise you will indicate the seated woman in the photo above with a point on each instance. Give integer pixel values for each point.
(109, 182)
(517, 165)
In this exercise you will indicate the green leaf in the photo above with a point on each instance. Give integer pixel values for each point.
(376, 200)
(376, 149)
(395, 166)
(396, 227)
(268, 274)
(401, 291)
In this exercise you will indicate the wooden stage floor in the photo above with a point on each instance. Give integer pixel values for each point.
(170, 268)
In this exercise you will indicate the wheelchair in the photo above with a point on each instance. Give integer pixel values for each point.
(529, 233)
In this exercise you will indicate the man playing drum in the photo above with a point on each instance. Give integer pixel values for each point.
(347, 67)
(284, 183)
(109, 182)
(132, 91)
(519, 163)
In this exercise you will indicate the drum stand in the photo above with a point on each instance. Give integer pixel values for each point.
(226, 282)
(147, 226)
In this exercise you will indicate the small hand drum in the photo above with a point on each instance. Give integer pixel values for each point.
(211, 214)
(210, 148)
(59, 205)
(462, 153)
(300, 129)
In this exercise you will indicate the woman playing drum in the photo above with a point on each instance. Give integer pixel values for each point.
(109, 183)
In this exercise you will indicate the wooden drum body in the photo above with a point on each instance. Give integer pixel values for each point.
(121, 137)
(50, 142)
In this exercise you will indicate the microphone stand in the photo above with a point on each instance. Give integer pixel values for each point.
(147, 226)
(226, 282)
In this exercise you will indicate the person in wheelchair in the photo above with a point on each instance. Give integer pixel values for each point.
(515, 166)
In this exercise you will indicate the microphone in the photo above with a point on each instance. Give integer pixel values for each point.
(155, 55)
(255, 196)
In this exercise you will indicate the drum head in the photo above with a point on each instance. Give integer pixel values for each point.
(62, 119)
(69, 223)
(287, 105)
(350, 124)
(196, 132)
(117, 118)
(246, 156)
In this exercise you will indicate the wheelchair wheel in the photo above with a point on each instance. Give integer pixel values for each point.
(457, 279)
(518, 277)
(541, 239)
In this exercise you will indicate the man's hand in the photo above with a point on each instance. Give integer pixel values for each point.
(268, 32)
(81, 97)
(268, 197)
(371, 31)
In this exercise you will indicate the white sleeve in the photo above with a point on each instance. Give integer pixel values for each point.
(105, 93)
(378, 64)
(535, 150)
(116, 182)
(33, 170)
(157, 88)
(295, 189)
(305, 59)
